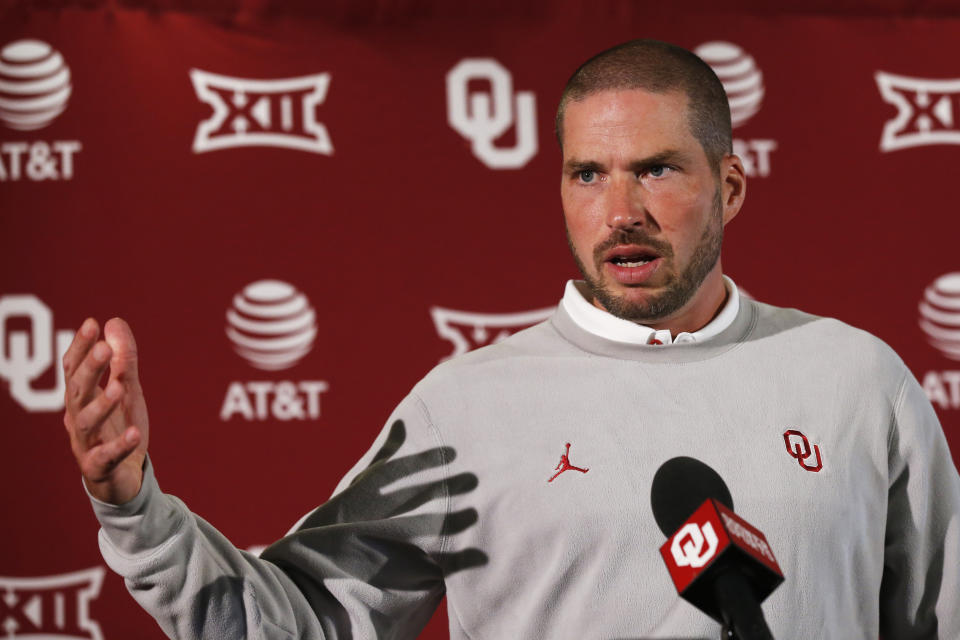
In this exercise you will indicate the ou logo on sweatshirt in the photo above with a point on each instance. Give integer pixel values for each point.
(694, 545)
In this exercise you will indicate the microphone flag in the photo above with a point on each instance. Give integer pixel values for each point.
(712, 541)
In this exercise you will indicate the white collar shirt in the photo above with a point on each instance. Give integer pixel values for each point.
(590, 318)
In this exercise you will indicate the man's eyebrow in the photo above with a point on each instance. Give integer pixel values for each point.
(573, 165)
(668, 156)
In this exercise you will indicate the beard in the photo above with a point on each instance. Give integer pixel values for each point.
(679, 288)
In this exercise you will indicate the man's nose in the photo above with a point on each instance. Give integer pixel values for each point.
(625, 206)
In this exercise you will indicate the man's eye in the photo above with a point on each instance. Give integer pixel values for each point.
(587, 176)
(657, 170)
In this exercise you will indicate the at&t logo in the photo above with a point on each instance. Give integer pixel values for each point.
(925, 111)
(26, 355)
(51, 607)
(694, 545)
(35, 88)
(743, 82)
(272, 326)
(484, 116)
(940, 321)
(468, 330)
(261, 113)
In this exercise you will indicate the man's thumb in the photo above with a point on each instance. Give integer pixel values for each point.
(119, 336)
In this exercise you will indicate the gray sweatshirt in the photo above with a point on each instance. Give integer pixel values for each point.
(516, 479)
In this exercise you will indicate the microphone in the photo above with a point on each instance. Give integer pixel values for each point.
(718, 562)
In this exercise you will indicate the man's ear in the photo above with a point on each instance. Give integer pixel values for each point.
(733, 186)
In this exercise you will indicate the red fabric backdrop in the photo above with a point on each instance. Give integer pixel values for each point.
(403, 183)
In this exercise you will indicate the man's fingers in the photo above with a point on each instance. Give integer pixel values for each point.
(123, 365)
(82, 341)
(82, 385)
(105, 457)
(88, 422)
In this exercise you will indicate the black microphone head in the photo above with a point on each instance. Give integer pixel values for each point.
(679, 487)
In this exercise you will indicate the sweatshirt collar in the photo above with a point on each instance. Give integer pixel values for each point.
(606, 325)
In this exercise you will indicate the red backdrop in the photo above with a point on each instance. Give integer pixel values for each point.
(394, 165)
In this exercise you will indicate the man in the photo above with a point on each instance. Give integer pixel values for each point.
(654, 355)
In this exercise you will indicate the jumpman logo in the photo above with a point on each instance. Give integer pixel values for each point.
(565, 465)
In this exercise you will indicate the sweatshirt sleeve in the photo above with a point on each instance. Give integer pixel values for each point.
(362, 565)
(920, 591)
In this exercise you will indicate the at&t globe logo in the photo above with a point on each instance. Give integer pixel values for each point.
(272, 326)
(741, 78)
(35, 87)
(940, 321)
(743, 82)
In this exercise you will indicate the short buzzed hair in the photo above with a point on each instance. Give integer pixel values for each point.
(658, 67)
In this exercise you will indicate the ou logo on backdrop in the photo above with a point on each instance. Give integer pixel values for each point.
(481, 120)
(20, 364)
(692, 552)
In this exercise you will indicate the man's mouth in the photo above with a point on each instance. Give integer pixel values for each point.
(631, 256)
(624, 261)
(632, 265)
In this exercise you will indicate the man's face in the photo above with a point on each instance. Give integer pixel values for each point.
(644, 210)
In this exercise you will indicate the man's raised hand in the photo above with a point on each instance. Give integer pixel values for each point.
(108, 426)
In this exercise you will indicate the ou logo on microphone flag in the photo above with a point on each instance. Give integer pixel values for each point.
(712, 540)
(688, 548)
